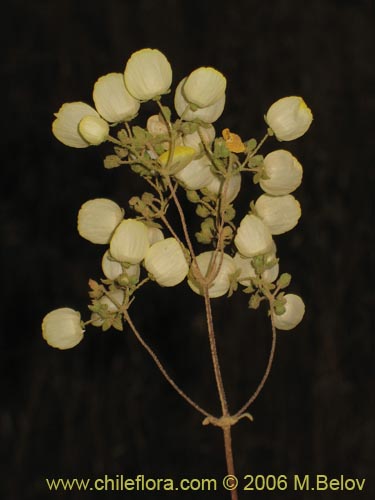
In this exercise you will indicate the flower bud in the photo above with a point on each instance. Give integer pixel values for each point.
(112, 99)
(166, 262)
(208, 115)
(98, 218)
(194, 141)
(279, 213)
(148, 74)
(62, 328)
(113, 269)
(197, 174)
(289, 118)
(156, 126)
(244, 264)
(221, 284)
(294, 312)
(93, 129)
(232, 189)
(284, 173)
(130, 242)
(253, 237)
(65, 126)
(204, 87)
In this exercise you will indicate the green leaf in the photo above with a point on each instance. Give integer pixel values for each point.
(202, 211)
(117, 323)
(192, 196)
(255, 301)
(220, 149)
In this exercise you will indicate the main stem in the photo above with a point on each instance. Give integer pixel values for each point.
(221, 391)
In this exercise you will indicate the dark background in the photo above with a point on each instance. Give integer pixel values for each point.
(102, 408)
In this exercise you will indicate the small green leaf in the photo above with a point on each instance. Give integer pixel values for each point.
(255, 301)
(202, 211)
(192, 196)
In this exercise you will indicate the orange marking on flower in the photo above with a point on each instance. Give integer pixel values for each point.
(233, 141)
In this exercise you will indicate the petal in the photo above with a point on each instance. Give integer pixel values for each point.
(253, 237)
(196, 174)
(148, 74)
(130, 242)
(62, 328)
(98, 218)
(220, 285)
(289, 118)
(94, 129)
(284, 173)
(204, 87)
(207, 115)
(65, 126)
(279, 213)
(112, 99)
(294, 312)
(166, 262)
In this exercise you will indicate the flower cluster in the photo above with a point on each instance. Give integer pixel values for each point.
(185, 154)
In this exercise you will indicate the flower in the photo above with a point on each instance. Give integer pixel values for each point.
(181, 157)
(65, 126)
(93, 129)
(166, 262)
(208, 115)
(283, 171)
(130, 242)
(253, 237)
(204, 87)
(197, 174)
(98, 218)
(194, 141)
(279, 213)
(221, 284)
(62, 328)
(112, 99)
(244, 264)
(233, 186)
(293, 314)
(289, 118)
(148, 74)
(113, 269)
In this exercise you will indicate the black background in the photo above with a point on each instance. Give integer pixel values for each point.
(102, 408)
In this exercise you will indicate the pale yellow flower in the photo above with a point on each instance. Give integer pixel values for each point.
(294, 312)
(93, 129)
(208, 115)
(98, 218)
(253, 237)
(62, 328)
(221, 284)
(130, 242)
(279, 213)
(166, 262)
(112, 99)
(148, 74)
(283, 171)
(204, 87)
(65, 126)
(289, 118)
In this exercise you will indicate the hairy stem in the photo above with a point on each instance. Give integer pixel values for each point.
(220, 389)
(162, 369)
(256, 393)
